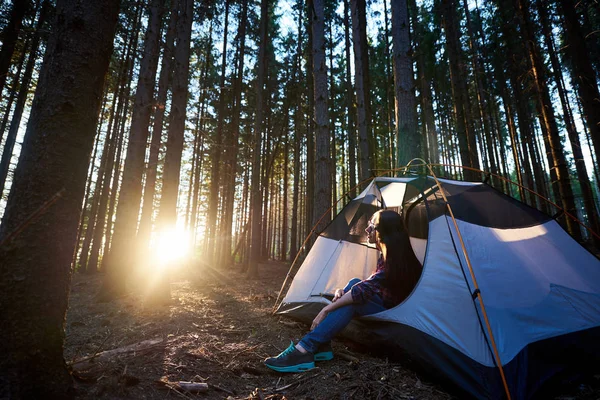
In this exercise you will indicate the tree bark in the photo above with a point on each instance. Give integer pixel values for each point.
(465, 131)
(554, 149)
(431, 135)
(122, 255)
(233, 139)
(35, 271)
(584, 77)
(361, 73)
(211, 250)
(582, 174)
(112, 166)
(350, 111)
(145, 227)
(256, 196)
(172, 169)
(9, 38)
(322, 199)
(407, 136)
(11, 138)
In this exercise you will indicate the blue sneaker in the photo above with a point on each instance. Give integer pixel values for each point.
(324, 352)
(291, 360)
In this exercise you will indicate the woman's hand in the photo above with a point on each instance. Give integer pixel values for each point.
(338, 293)
(319, 318)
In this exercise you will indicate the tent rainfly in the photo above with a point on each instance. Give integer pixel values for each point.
(521, 307)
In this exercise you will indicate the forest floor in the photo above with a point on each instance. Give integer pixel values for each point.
(217, 330)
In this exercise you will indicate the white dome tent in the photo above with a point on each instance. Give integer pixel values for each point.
(507, 299)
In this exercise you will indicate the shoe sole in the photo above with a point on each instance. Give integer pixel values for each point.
(324, 356)
(293, 368)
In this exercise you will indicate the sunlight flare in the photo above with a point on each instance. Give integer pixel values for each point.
(171, 246)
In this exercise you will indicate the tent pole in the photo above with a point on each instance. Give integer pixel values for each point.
(477, 291)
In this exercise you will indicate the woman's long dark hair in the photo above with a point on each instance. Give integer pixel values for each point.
(403, 269)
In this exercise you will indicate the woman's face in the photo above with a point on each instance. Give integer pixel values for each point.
(371, 230)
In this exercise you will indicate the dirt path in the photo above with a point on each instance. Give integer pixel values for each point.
(218, 330)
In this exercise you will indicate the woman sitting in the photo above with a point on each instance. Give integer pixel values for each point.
(397, 273)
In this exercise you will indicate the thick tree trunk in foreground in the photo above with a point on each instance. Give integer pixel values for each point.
(35, 266)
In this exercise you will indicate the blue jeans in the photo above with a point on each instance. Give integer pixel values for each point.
(337, 320)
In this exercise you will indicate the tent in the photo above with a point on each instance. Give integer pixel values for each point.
(520, 304)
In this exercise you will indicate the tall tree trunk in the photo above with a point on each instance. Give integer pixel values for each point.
(122, 255)
(109, 143)
(297, 78)
(582, 174)
(11, 138)
(200, 128)
(407, 136)
(211, 250)
(482, 101)
(256, 197)
(554, 149)
(361, 72)
(458, 76)
(322, 200)
(145, 226)
(233, 139)
(584, 77)
(9, 38)
(111, 166)
(310, 133)
(35, 272)
(389, 94)
(13, 89)
(350, 111)
(431, 137)
(167, 216)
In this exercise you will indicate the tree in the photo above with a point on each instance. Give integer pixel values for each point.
(10, 34)
(128, 208)
(584, 77)
(35, 271)
(256, 197)
(213, 199)
(407, 136)
(322, 198)
(554, 149)
(361, 71)
(458, 77)
(145, 226)
(167, 216)
(21, 98)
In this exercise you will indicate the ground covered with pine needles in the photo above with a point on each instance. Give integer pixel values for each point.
(217, 330)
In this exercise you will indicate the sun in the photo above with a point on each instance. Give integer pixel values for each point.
(171, 246)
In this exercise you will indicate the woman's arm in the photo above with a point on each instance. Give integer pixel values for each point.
(342, 301)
